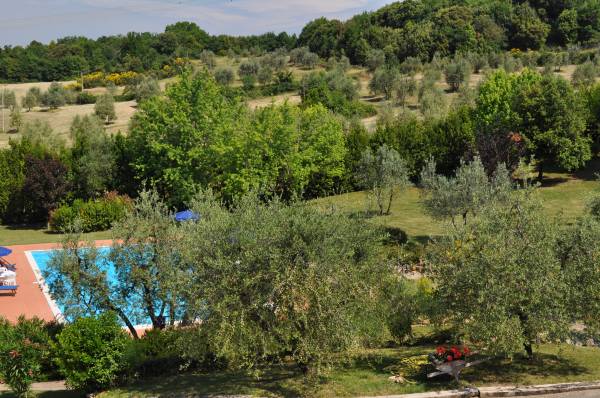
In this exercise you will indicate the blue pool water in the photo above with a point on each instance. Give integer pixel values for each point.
(42, 259)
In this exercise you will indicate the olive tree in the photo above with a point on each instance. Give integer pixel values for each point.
(16, 118)
(384, 81)
(149, 273)
(383, 174)
(54, 97)
(457, 73)
(105, 108)
(375, 59)
(143, 89)
(9, 99)
(249, 68)
(224, 76)
(275, 281)
(464, 194)
(585, 74)
(208, 58)
(405, 87)
(31, 98)
(498, 279)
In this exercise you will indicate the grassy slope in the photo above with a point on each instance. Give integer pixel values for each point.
(563, 194)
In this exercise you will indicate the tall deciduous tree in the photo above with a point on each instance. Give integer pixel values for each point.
(91, 158)
(552, 117)
(198, 137)
(544, 111)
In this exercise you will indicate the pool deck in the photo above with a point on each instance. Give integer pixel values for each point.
(30, 299)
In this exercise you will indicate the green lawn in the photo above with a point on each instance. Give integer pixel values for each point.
(368, 376)
(562, 194)
(23, 235)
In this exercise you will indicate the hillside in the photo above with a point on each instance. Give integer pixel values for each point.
(412, 28)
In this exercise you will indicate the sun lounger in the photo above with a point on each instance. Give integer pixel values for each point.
(10, 288)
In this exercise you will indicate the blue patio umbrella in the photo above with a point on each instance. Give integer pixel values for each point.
(4, 251)
(186, 215)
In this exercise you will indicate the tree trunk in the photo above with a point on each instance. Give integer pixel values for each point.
(127, 322)
(389, 204)
(529, 350)
(540, 172)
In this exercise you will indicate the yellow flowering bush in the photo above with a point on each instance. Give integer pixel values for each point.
(94, 79)
(122, 78)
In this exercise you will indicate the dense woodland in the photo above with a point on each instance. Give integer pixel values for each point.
(413, 28)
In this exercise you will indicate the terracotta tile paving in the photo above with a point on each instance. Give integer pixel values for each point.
(30, 299)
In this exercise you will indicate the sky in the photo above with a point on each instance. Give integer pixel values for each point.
(22, 21)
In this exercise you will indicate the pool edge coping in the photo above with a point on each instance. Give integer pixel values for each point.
(41, 282)
(56, 312)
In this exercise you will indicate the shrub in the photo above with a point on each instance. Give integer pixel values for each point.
(24, 353)
(224, 76)
(93, 215)
(167, 351)
(585, 74)
(457, 73)
(90, 352)
(85, 98)
(105, 108)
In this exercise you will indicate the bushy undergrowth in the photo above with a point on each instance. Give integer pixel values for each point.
(93, 215)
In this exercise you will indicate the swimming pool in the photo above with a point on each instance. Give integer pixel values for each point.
(70, 308)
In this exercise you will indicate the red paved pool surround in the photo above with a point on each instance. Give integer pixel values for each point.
(30, 299)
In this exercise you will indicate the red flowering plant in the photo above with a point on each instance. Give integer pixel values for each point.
(448, 354)
(19, 366)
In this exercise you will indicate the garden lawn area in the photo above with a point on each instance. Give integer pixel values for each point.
(562, 194)
(368, 375)
(25, 235)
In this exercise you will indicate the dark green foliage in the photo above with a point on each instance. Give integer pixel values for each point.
(527, 31)
(45, 185)
(542, 112)
(448, 140)
(65, 58)
(54, 97)
(164, 352)
(25, 349)
(209, 153)
(420, 29)
(85, 98)
(336, 92)
(90, 352)
(322, 36)
(89, 216)
(224, 76)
